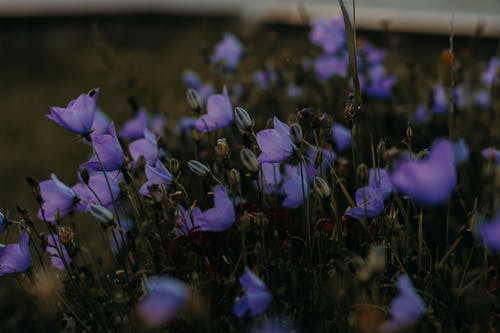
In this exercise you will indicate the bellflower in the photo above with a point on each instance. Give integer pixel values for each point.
(185, 125)
(369, 203)
(341, 136)
(489, 232)
(222, 216)
(101, 123)
(271, 178)
(460, 96)
(157, 175)
(461, 151)
(219, 113)
(191, 79)
(256, 298)
(275, 144)
(491, 74)
(98, 187)
(188, 221)
(166, 297)
(328, 158)
(420, 115)
(15, 258)
(482, 99)
(58, 199)
(431, 180)
(134, 128)
(406, 308)
(328, 34)
(109, 150)
(379, 179)
(492, 154)
(147, 147)
(3, 223)
(372, 54)
(439, 100)
(295, 186)
(158, 125)
(55, 249)
(78, 116)
(380, 85)
(228, 52)
(327, 66)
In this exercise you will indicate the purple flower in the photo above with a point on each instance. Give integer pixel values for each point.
(78, 116)
(273, 326)
(379, 179)
(228, 52)
(327, 66)
(3, 223)
(219, 113)
(460, 96)
(191, 79)
(186, 124)
(109, 150)
(166, 297)
(219, 218)
(126, 223)
(461, 151)
(256, 298)
(295, 186)
(275, 144)
(489, 232)
(439, 100)
(187, 221)
(98, 193)
(58, 199)
(491, 154)
(369, 203)
(157, 176)
(56, 249)
(406, 308)
(341, 136)
(15, 258)
(491, 74)
(147, 147)
(101, 123)
(420, 116)
(483, 99)
(328, 158)
(372, 54)
(294, 91)
(134, 128)
(380, 85)
(328, 34)
(158, 125)
(271, 178)
(431, 180)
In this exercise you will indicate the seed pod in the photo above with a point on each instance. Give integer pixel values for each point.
(296, 134)
(101, 214)
(249, 160)
(362, 173)
(222, 149)
(242, 119)
(198, 168)
(321, 187)
(194, 100)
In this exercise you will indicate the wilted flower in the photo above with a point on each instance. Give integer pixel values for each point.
(431, 180)
(275, 144)
(492, 154)
(57, 251)
(228, 52)
(109, 151)
(489, 232)
(166, 297)
(222, 216)
(249, 160)
(78, 116)
(406, 308)
(379, 179)
(15, 258)
(158, 175)
(256, 298)
(134, 128)
(369, 203)
(321, 187)
(341, 136)
(194, 100)
(147, 147)
(58, 199)
(219, 113)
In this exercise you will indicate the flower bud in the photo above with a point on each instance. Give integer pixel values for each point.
(321, 187)
(249, 160)
(101, 214)
(35, 188)
(194, 100)
(173, 165)
(296, 134)
(362, 173)
(242, 119)
(84, 174)
(381, 148)
(409, 132)
(222, 149)
(234, 177)
(91, 92)
(198, 168)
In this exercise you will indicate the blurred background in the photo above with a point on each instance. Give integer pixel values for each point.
(53, 50)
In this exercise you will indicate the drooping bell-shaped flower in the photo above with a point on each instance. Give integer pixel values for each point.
(147, 147)
(134, 128)
(406, 308)
(166, 297)
(187, 221)
(3, 223)
(270, 176)
(78, 116)
(369, 203)
(228, 52)
(219, 113)
(256, 298)
(101, 123)
(15, 258)
(379, 179)
(341, 136)
(489, 232)
(295, 186)
(276, 144)
(109, 151)
(430, 180)
(57, 251)
(157, 176)
(221, 216)
(97, 191)
(58, 199)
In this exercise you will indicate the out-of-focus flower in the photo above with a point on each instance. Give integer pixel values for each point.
(256, 298)
(461, 151)
(228, 52)
(460, 96)
(15, 258)
(264, 78)
(158, 125)
(341, 136)
(406, 308)
(369, 203)
(431, 180)
(219, 113)
(134, 128)
(221, 216)
(3, 223)
(328, 34)
(420, 115)
(379, 84)
(186, 124)
(157, 175)
(379, 178)
(109, 150)
(57, 251)
(295, 186)
(482, 99)
(492, 72)
(371, 53)
(439, 100)
(273, 326)
(166, 297)
(328, 66)
(58, 199)
(491, 154)
(147, 147)
(489, 232)
(191, 79)
(78, 116)
(275, 144)
(294, 91)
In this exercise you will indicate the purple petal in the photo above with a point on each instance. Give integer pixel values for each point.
(219, 113)
(15, 258)
(220, 217)
(134, 128)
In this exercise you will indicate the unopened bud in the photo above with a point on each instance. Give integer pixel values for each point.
(101, 214)
(35, 188)
(296, 134)
(91, 92)
(249, 160)
(85, 176)
(198, 168)
(242, 119)
(362, 173)
(173, 165)
(409, 132)
(321, 187)
(381, 148)
(222, 149)
(234, 177)
(193, 100)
